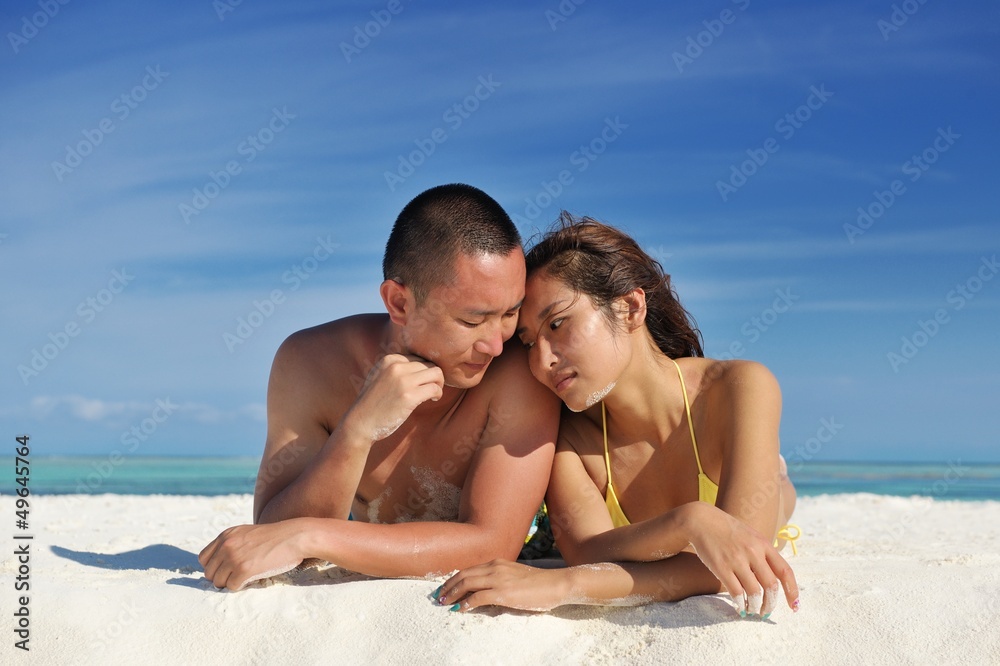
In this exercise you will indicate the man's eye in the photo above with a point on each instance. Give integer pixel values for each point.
(527, 345)
(556, 323)
(468, 323)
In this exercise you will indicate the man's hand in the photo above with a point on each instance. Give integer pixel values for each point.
(395, 386)
(245, 553)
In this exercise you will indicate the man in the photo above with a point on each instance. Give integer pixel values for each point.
(439, 458)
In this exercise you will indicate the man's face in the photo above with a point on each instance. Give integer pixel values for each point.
(462, 326)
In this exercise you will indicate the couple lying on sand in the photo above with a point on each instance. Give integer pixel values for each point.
(424, 440)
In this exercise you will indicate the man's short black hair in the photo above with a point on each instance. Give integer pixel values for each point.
(438, 225)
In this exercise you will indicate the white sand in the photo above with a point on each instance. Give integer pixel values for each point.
(116, 580)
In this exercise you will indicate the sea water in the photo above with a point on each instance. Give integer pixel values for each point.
(140, 475)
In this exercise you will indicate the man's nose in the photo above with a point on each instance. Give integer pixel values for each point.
(492, 342)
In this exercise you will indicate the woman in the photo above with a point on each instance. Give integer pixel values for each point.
(656, 436)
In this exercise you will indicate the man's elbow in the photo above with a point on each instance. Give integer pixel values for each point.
(260, 513)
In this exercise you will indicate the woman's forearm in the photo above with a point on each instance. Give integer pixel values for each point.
(654, 539)
(636, 583)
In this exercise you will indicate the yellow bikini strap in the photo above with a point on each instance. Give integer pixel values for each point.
(687, 408)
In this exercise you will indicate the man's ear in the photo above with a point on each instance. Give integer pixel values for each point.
(632, 308)
(399, 301)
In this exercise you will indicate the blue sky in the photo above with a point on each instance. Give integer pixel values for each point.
(170, 169)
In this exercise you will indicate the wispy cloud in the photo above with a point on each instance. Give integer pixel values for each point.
(113, 412)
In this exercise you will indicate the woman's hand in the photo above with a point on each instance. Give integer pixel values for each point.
(504, 583)
(748, 566)
(245, 553)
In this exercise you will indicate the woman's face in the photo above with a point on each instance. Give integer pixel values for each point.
(573, 349)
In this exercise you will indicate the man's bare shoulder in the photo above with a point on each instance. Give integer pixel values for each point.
(331, 357)
(510, 372)
(335, 340)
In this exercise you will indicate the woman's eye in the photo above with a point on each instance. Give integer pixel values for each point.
(556, 323)
(527, 345)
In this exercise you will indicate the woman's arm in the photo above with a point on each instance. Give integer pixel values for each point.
(733, 552)
(750, 481)
(732, 557)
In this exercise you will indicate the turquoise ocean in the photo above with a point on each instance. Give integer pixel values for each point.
(138, 475)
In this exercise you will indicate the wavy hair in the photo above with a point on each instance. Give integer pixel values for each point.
(605, 263)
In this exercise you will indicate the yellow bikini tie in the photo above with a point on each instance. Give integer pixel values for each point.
(789, 533)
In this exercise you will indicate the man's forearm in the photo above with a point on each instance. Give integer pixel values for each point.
(404, 549)
(327, 487)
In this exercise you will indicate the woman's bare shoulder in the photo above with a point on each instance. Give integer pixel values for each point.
(728, 380)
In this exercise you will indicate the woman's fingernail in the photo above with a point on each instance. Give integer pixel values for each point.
(455, 607)
(436, 593)
(795, 606)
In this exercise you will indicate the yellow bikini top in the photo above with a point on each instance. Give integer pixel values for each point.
(708, 491)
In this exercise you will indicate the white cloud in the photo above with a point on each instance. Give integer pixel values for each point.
(95, 410)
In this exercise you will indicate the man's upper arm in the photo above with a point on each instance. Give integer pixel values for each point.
(509, 472)
(294, 431)
(577, 509)
(750, 487)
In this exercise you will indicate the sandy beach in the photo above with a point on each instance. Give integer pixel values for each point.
(115, 579)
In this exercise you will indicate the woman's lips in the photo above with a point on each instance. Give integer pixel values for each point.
(563, 383)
